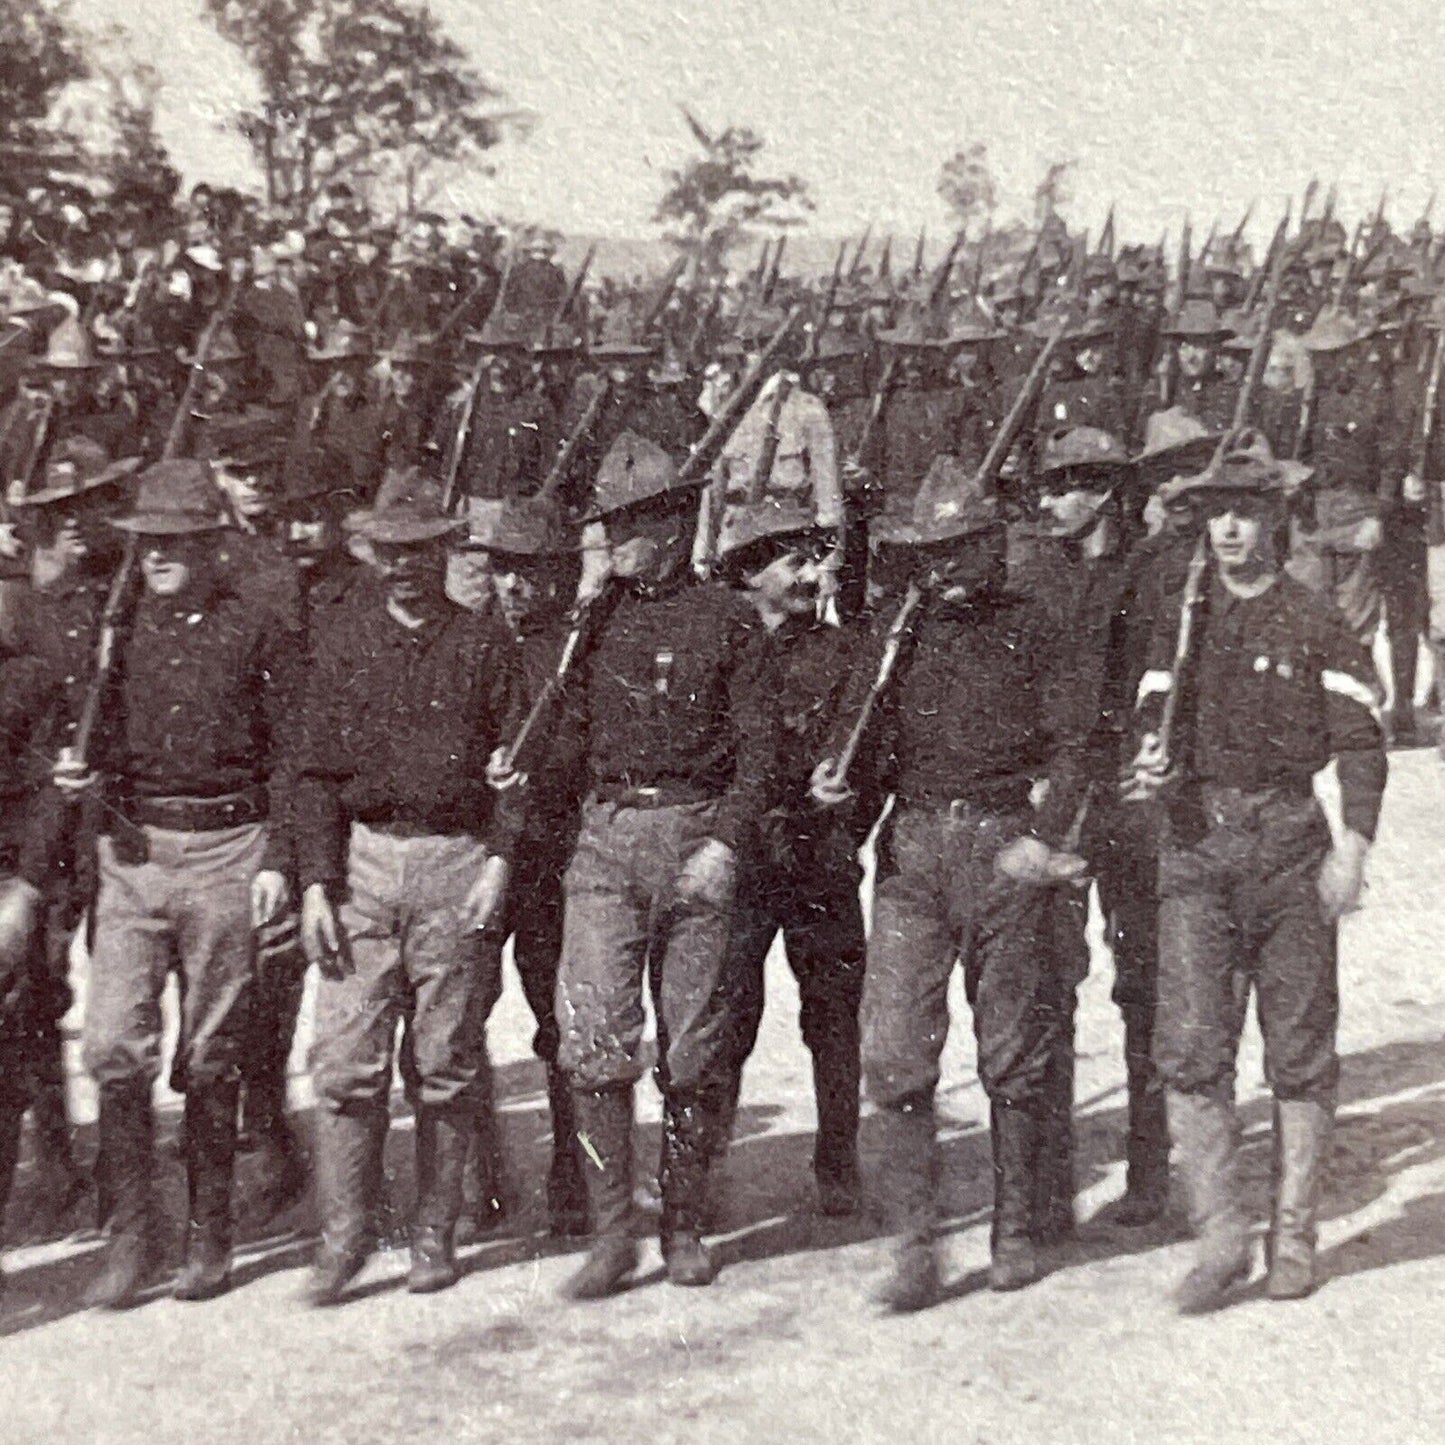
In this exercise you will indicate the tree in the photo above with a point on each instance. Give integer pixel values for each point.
(1053, 192)
(40, 54)
(134, 161)
(373, 93)
(717, 200)
(967, 185)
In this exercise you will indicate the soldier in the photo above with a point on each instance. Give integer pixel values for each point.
(974, 716)
(802, 876)
(1348, 440)
(191, 723)
(407, 696)
(1198, 336)
(1251, 883)
(678, 756)
(74, 555)
(534, 567)
(1074, 569)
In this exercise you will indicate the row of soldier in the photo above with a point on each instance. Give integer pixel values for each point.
(672, 774)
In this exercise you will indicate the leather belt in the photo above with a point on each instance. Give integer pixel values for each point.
(197, 815)
(659, 795)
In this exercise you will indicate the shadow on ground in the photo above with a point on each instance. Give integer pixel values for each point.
(764, 1197)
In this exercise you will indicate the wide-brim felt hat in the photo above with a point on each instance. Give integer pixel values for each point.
(950, 506)
(1083, 449)
(1249, 467)
(75, 482)
(747, 527)
(174, 499)
(520, 527)
(407, 509)
(637, 472)
(1198, 320)
(1175, 444)
(1334, 330)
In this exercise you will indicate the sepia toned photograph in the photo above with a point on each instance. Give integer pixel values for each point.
(721, 723)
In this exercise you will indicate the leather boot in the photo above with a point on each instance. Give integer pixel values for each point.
(1015, 1133)
(126, 1150)
(566, 1183)
(349, 1148)
(1302, 1135)
(1146, 1192)
(12, 1117)
(604, 1129)
(690, 1127)
(1053, 1206)
(210, 1160)
(62, 1183)
(908, 1190)
(484, 1200)
(836, 1072)
(1207, 1133)
(442, 1139)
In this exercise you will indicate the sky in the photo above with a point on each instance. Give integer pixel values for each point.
(1199, 106)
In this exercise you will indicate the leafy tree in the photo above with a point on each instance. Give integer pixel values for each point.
(373, 93)
(967, 185)
(717, 200)
(40, 54)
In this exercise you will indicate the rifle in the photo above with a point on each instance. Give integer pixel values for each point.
(1256, 282)
(700, 458)
(918, 252)
(1195, 581)
(830, 300)
(768, 453)
(938, 292)
(857, 265)
(574, 293)
(75, 754)
(1259, 353)
(664, 295)
(556, 679)
(1420, 452)
(885, 260)
(1171, 356)
(704, 452)
(474, 387)
(773, 271)
(892, 646)
(568, 453)
(985, 477)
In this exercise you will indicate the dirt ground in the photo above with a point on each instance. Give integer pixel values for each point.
(785, 1346)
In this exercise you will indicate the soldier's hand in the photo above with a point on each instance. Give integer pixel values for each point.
(320, 936)
(269, 893)
(73, 776)
(486, 896)
(827, 787)
(1149, 772)
(501, 774)
(19, 918)
(1342, 876)
(1412, 489)
(1030, 860)
(707, 877)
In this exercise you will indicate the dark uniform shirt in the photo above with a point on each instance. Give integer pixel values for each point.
(1280, 688)
(197, 702)
(979, 710)
(398, 726)
(670, 698)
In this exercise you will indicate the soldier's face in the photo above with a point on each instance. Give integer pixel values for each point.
(170, 564)
(790, 584)
(1239, 534)
(469, 579)
(412, 571)
(1193, 359)
(79, 530)
(524, 587)
(649, 548)
(248, 489)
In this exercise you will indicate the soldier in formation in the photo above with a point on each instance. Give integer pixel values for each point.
(453, 602)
